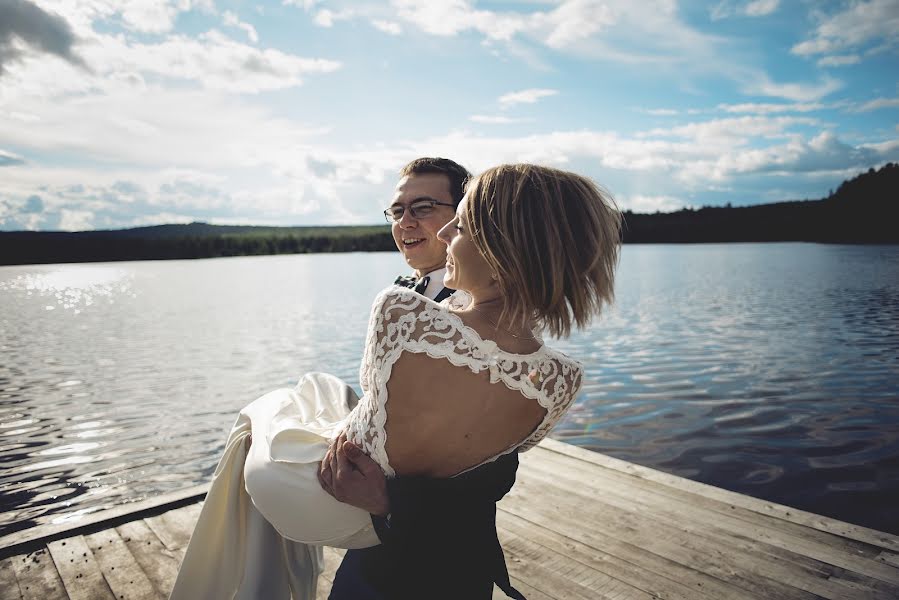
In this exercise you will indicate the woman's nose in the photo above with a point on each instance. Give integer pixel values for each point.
(444, 234)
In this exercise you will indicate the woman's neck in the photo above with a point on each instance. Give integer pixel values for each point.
(491, 305)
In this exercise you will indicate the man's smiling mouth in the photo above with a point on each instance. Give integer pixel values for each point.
(412, 241)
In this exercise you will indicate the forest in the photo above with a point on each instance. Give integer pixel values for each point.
(862, 210)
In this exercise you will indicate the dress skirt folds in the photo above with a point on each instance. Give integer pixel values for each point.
(265, 519)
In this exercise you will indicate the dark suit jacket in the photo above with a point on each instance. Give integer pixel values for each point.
(440, 543)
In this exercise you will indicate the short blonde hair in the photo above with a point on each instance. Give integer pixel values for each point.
(552, 238)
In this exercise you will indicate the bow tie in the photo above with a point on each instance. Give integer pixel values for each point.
(418, 285)
(406, 281)
(422, 284)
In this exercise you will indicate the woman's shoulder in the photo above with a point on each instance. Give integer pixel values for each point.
(398, 298)
(399, 304)
(562, 358)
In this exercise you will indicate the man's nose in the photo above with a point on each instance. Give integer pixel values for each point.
(407, 220)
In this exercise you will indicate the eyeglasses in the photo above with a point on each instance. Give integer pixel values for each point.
(419, 210)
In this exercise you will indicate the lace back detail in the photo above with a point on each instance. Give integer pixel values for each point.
(402, 320)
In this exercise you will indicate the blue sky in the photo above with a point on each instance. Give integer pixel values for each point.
(119, 113)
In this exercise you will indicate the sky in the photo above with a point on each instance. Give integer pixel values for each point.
(124, 113)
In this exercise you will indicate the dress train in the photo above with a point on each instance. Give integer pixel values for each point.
(265, 519)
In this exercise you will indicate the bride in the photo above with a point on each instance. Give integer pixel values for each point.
(535, 250)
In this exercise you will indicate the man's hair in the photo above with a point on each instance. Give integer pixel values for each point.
(552, 238)
(457, 174)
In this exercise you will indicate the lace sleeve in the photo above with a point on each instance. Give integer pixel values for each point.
(562, 391)
(371, 340)
(393, 317)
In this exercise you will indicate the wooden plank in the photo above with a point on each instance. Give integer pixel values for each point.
(791, 532)
(9, 585)
(323, 590)
(122, 572)
(37, 576)
(174, 528)
(158, 563)
(889, 558)
(79, 570)
(861, 588)
(772, 509)
(527, 591)
(333, 558)
(649, 544)
(37, 537)
(558, 577)
(657, 586)
(759, 536)
(191, 513)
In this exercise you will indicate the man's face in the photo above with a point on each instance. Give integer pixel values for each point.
(417, 238)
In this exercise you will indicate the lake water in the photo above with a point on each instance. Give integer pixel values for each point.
(769, 369)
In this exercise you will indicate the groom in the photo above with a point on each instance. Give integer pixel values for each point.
(425, 200)
(438, 536)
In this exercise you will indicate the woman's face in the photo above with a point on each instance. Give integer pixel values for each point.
(466, 268)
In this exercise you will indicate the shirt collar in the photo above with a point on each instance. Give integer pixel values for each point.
(436, 283)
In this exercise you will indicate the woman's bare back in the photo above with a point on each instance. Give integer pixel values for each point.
(443, 419)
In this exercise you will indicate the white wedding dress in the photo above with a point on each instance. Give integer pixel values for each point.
(265, 519)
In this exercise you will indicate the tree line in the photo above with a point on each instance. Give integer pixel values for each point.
(864, 209)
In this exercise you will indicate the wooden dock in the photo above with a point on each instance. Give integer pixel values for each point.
(577, 525)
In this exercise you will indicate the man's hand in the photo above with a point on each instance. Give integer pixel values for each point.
(353, 477)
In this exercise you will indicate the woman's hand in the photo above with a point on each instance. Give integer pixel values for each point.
(354, 478)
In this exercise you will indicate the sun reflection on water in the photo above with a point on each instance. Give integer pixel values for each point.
(74, 287)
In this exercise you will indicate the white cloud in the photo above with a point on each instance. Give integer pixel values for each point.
(755, 8)
(143, 16)
(157, 127)
(601, 29)
(211, 60)
(878, 103)
(857, 27)
(529, 96)
(306, 5)
(760, 8)
(496, 119)
(800, 92)
(75, 220)
(574, 21)
(731, 131)
(660, 112)
(763, 108)
(451, 17)
(649, 204)
(326, 17)
(218, 62)
(390, 27)
(232, 20)
(9, 158)
(840, 60)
